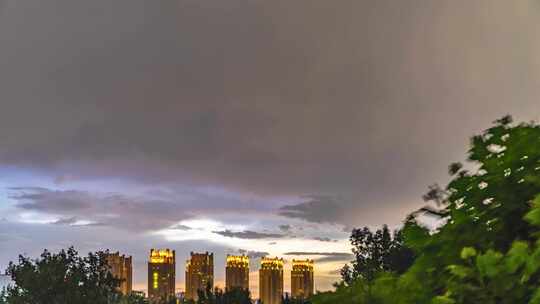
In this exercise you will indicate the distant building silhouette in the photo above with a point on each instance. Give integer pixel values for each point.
(237, 272)
(161, 274)
(271, 280)
(122, 268)
(302, 279)
(199, 273)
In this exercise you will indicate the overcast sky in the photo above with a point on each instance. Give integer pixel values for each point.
(263, 127)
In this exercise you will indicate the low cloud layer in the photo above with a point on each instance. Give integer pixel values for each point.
(129, 212)
(325, 239)
(249, 235)
(318, 209)
(325, 257)
(253, 254)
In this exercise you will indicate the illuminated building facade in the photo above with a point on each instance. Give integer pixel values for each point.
(121, 268)
(161, 274)
(302, 279)
(271, 280)
(237, 272)
(199, 273)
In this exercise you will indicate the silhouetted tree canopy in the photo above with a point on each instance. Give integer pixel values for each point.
(64, 277)
(218, 296)
(377, 252)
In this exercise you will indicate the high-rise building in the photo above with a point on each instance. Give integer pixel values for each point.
(271, 280)
(237, 272)
(121, 268)
(302, 279)
(161, 274)
(199, 273)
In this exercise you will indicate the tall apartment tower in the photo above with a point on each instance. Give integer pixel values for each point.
(271, 280)
(302, 279)
(161, 274)
(199, 273)
(121, 267)
(237, 272)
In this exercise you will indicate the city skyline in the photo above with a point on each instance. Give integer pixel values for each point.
(257, 128)
(200, 265)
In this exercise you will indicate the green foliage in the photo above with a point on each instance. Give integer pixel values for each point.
(487, 250)
(64, 277)
(3, 299)
(218, 296)
(487, 211)
(288, 300)
(493, 277)
(133, 298)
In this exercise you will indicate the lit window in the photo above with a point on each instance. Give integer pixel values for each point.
(155, 277)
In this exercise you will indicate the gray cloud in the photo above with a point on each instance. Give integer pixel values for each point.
(134, 213)
(317, 209)
(325, 256)
(249, 234)
(180, 227)
(285, 228)
(148, 211)
(253, 254)
(255, 101)
(342, 254)
(328, 259)
(325, 239)
(66, 221)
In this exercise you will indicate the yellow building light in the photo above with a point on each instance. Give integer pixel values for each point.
(156, 279)
(161, 256)
(303, 265)
(272, 263)
(237, 261)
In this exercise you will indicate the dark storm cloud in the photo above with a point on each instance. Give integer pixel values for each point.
(133, 213)
(285, 228)
(364, 100)
(318, 209)
(249, 234)
(41, 199)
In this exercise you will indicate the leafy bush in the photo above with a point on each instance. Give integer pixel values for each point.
(487, 250)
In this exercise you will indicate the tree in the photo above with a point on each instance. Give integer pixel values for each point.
(487, 249)
(218, 296)
(133, 298)
(494, 277)
(483, 207)
(289, 300)
(236, 296)
(64, 277)
(377, 252)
